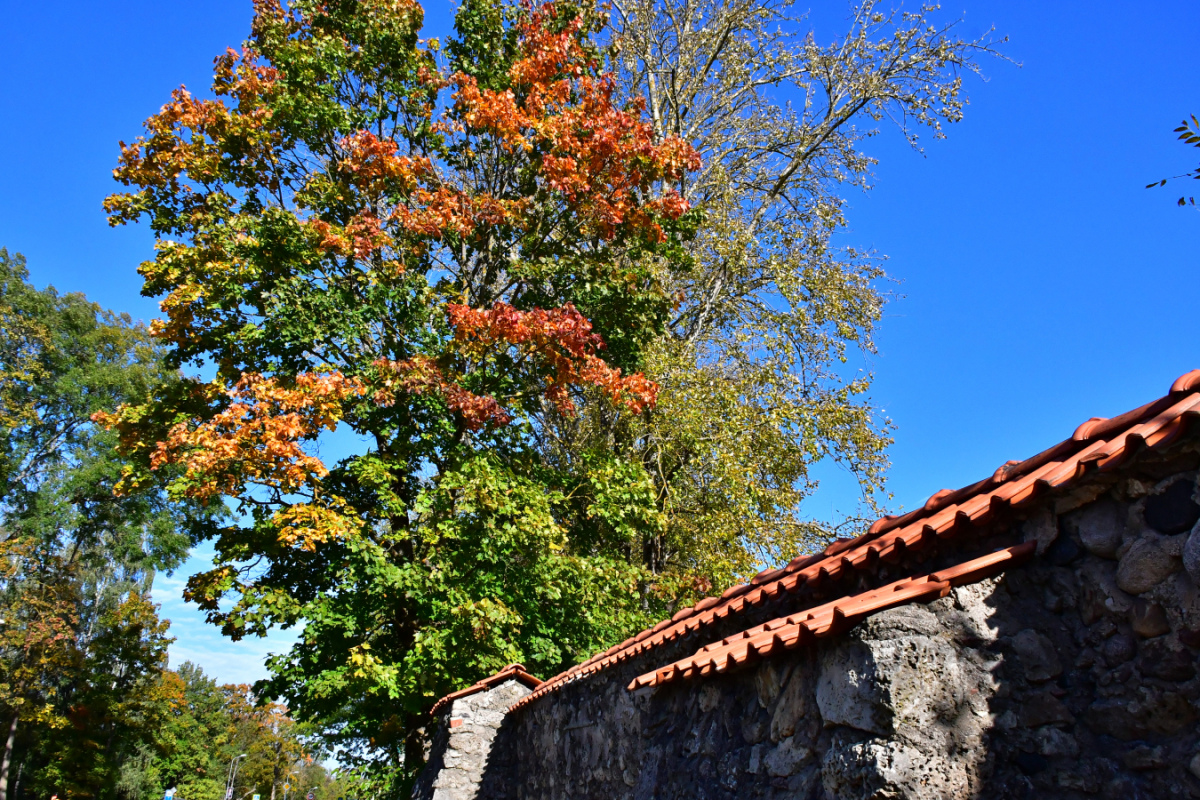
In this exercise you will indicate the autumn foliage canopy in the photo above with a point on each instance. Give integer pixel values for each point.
(395, 260)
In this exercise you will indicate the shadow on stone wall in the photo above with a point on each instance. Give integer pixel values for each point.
(1074, 676)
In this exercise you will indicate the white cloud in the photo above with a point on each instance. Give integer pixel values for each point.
(200, 642)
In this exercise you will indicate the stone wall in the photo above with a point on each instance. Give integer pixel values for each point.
(458, 757)
(1072, 676)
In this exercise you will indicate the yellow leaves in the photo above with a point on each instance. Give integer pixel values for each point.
(306, 525)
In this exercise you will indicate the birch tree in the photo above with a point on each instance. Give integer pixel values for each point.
(757, 366)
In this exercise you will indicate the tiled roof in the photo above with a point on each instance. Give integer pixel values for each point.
(511, 672)
(1098, 445)
(793, 631)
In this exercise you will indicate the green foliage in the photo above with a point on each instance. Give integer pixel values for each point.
(82, 650)
(435, 264)
(1189, 133)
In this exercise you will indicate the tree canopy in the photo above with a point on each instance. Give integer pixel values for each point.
(564, 285)
(89, 708)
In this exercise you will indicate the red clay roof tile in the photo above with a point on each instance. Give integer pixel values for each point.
(1098, 444)
(792, 631)
(511, 672)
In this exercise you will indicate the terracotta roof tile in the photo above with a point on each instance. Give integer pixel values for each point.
(511, 672)
(805, 627)
(1096, 445)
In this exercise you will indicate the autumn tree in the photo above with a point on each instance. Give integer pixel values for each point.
(425, 252)
(81, 644)
(763, 366)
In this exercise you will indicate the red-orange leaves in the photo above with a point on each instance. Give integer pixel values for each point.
(600, 158)
(361, 237)
(562, 339)
(420, 376)
(257, 438)
(374, 165)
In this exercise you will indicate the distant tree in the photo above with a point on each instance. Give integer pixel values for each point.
(1189, 133)
(81, 645)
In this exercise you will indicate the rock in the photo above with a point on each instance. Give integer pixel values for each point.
(1147, 564)
(1194, 766)
(1043, 708)
(1031, 763)
(975, 621)
(1173, 510)
(1148, 619)
(786, 759)
(1174, 545)
(1042, 527)
(892, 671)
(1119, 649)
(1191, 555)
(1161, 660)
(1149, 712)
(892, 769)
(1037, 655)
(1144, 757)
(1054, 743)
(768, 680)
(1064, 551)
(1098, 526)
(850, 691)
(791, 707)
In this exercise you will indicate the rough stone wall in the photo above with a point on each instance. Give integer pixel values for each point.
(458, 758)
(1072, 676)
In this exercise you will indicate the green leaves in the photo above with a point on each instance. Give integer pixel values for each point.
(1189, 133)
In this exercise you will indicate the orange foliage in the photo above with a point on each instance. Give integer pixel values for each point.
(257, 438)
(420, 375)
(563, 339)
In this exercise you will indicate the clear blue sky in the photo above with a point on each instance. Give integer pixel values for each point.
(1042, 284)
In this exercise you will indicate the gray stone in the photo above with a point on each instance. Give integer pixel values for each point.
(1166, 660)
(791, 707)
(1147, 564)
(1043, 708)
(1119, 649)
(1194, 766)
(786, 758)
(892, 672)
(851, 692)
(1037, 655)
(1053, 743)
(892, 769)
(1041, 527)
(1144, 757)
(1099, 527)
(1191, 555)
(1172, 509)
(1149, 712)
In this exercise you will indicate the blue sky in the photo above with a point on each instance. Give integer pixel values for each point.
(1042, 284)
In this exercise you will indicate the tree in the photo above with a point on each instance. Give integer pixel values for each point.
(436, 261)
(37, 642)
(81, 645)
(1189, 133)
(752, 366)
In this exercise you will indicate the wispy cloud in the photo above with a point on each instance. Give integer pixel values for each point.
(202, 643)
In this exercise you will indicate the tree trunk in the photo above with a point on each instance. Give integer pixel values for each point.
(8, 748)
